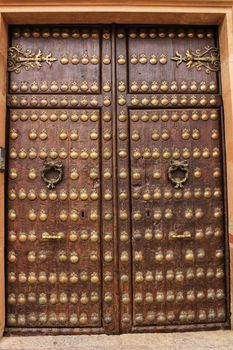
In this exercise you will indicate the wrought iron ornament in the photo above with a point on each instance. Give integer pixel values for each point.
(51, 166)
(17, 58)
(208, 59)
(176, 165)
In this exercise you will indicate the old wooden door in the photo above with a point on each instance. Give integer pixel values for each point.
(116, 204)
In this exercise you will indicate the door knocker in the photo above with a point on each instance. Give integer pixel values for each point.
(178, 165)
(50, 167)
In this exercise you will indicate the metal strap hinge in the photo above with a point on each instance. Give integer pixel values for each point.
(2, 159)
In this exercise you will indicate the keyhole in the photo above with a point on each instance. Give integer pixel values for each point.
(82, 214)
(148, 213)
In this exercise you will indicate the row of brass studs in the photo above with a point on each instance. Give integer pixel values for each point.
(180, 296)
(63, 116)
(64, 215)
(153, 59)
(73, 134)
(62, 256)
(62, 153)
(170, 33)
(93, 154)
(84, 235)
(158, 235)
(53, 298)
(93, 236)
(179, 275)
(58, 87)
(169, 255)
(73, 194)
(165, 134)
(84, 59)
(74, 175)
(52, 317)
(173, 116)
(167, 100)
(63, 101)
(136, 175)
(63, 33)
(42, 256)
(167, 153)
(123, 174)
(63, 298)
(157, 193)
(142, 59)
(168, 214)
(183, 316)
(53, 277)
(147, 195)
(173, 86)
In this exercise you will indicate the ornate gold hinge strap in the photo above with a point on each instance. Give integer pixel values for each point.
(17, 58)
(209, 59)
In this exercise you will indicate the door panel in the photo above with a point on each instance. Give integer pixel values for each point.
(61, 111)
(176, 234)
(64, 271)
(115, 225)
(171, 201)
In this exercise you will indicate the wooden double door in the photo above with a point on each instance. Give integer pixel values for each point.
(115, 183)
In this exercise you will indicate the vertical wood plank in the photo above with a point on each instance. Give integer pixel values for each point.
(123, 183)
(226, 50)
(3, 63)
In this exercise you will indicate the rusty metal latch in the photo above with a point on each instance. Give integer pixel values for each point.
(2, 159)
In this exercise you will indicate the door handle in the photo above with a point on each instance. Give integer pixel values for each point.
(53, 236)
(181, 165)
(184, 235)
(51, 166)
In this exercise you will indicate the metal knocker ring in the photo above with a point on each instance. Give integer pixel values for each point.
(175, 166)
(52, 166)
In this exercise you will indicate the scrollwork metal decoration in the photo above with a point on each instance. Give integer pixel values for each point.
(17, 58)
(52, 166)
(176, 165)
(208, 59)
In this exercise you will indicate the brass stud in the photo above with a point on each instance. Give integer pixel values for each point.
(106, 59)
(134, 59)
(121, 59)
(121, 86)
(144, 86)
(193, 86)
(121, 100)
(174, 100)
(193, 100)
(154, 86)
(22, 194)
(163, 59)
(132, 34)
(142, 59)
(203, 100)
(153, 59)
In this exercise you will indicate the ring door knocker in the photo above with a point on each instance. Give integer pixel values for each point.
(178, 165)
(51, 167)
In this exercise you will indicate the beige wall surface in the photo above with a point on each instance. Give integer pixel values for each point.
(210, 12)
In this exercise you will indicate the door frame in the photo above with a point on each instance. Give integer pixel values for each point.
(135, 12)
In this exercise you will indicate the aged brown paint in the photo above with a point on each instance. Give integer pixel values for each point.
(133, 75)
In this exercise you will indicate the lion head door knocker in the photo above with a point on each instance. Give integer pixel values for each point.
(52, 173)
(178, 172)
